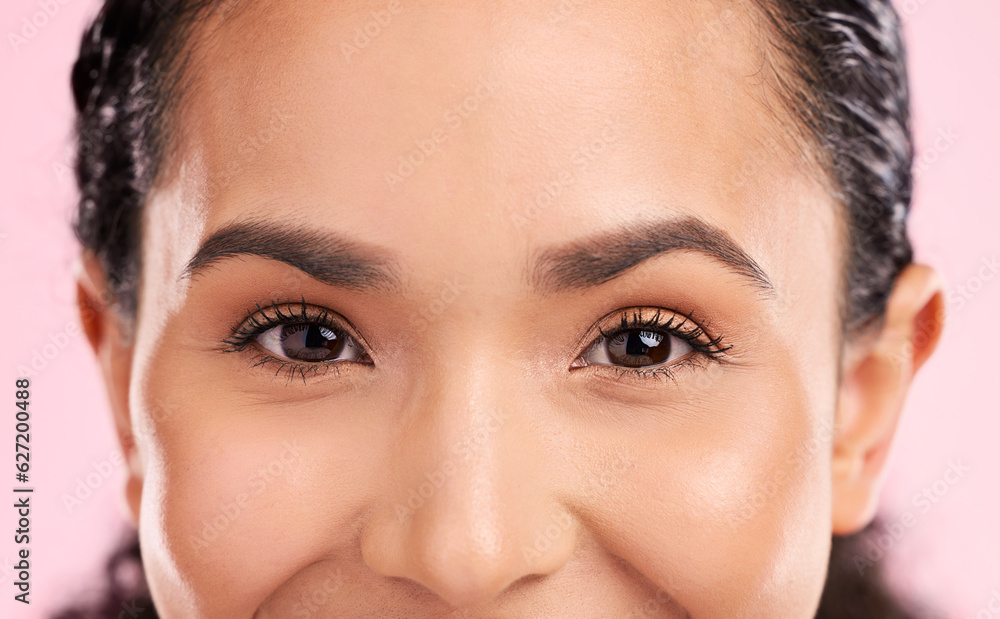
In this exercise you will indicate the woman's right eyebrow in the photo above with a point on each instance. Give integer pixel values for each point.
(327, 256)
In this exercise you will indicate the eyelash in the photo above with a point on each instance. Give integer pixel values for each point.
(244, 333)
(704, 347)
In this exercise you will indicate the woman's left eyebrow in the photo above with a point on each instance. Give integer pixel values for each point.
(594, 260)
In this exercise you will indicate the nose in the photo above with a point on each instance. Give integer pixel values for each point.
(467, 512)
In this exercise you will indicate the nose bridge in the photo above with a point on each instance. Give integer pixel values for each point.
(470, 504)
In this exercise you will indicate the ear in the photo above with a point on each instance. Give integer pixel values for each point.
(108, 336)
(876, 377)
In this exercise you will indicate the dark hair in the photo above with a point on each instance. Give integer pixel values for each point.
(124, 592)
(850, 92)
(842, 76)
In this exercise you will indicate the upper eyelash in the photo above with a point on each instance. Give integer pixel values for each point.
(244, 333)
(710, 349)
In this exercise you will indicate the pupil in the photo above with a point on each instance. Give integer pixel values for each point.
(635, 345)
(314, 339)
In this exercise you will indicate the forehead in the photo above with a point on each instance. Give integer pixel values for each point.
(518, 123)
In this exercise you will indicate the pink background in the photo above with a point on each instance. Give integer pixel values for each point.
(950, 555)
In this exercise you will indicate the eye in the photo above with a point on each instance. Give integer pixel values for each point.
(298, 339)
(637, 348)
(309, 342)
(651, 346)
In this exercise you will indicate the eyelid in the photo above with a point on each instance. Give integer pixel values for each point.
(635, 318)
(276, 314)
(244, 334)
(705, 347)
(275, 337)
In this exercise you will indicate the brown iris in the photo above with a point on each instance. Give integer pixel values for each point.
(310, 342)
(635, 348)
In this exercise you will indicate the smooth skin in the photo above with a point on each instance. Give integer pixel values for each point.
(474, 465)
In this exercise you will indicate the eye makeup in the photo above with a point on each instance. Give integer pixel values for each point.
(297, 339)
(667, 340)
(641, 343)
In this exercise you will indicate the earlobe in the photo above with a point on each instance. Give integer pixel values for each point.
(877, 375)
(133, 486)
(105, 331)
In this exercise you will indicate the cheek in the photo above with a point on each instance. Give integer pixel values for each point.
(213, 500)
(730, 509)
(224, 513)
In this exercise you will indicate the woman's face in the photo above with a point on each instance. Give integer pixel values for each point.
(518, 308)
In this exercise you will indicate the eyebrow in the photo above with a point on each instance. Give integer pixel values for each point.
(329, 257)
(335, 260)
(595, 260)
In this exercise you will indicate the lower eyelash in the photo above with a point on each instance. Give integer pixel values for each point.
(244, 334)
(667, 372)
(290, 368)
